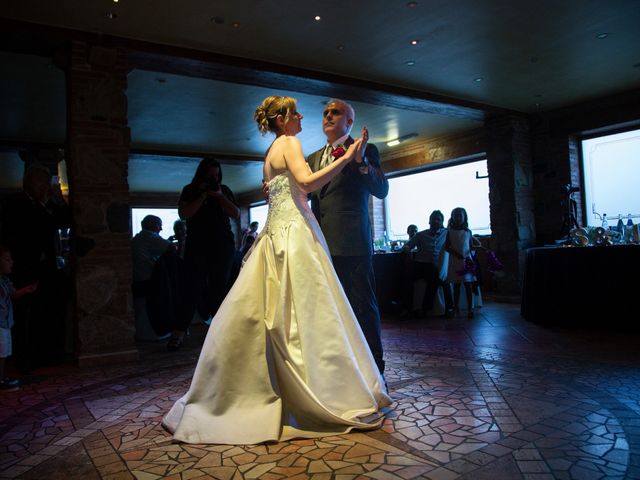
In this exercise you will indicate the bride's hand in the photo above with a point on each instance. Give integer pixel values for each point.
(363, 145)
(353, 149)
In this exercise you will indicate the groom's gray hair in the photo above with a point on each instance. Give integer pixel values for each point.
(351, 113)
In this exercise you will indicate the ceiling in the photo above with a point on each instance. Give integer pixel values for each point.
(518, 56)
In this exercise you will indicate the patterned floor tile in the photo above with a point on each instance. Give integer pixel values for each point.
(492, 398)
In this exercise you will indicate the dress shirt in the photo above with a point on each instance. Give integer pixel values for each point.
(428, 247)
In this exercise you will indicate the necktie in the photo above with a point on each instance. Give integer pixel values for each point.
(326, 156)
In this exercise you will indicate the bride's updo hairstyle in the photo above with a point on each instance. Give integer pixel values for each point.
(266, 114)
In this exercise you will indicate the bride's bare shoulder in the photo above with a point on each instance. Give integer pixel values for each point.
(289, 141)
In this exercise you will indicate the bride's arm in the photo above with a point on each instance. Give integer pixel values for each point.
(297, 165)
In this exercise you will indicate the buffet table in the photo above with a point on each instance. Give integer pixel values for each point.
(582, 286)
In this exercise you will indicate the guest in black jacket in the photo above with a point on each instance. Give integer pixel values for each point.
(29, 223)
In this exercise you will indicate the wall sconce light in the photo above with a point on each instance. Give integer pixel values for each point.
(399, 140)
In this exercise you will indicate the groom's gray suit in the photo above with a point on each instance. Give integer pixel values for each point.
(342, 209)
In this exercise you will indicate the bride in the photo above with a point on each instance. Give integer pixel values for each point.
(284, 356)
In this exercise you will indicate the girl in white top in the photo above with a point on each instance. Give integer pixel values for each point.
(459, 244)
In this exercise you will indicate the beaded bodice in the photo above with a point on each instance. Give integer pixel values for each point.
(287, 203)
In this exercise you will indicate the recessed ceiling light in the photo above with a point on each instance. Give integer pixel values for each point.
(112, 16)
(317, 18)
(115, 1)
(235, 24)
(602, 36)
(478, 79)
(411, 63)
(414, 42)
(412, 4)
(340, 47)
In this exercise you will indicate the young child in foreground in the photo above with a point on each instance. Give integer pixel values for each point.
(7, 291)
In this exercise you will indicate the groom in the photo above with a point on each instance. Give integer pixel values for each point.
(342, 209)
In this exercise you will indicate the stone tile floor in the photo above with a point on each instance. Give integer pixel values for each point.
(490, 398)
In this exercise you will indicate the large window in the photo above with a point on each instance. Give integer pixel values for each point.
(168, 216)
(611, 166)
(413, 197)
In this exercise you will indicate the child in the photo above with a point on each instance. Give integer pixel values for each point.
(459, 244)
(6, 313)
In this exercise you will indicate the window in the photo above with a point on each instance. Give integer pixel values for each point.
(611, 166)
(259, 214)
(413, 197)
(168, 216)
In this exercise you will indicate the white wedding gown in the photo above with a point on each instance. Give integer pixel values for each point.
(284, 356)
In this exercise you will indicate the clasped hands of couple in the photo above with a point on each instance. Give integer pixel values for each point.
(357, 148)
(354, 152)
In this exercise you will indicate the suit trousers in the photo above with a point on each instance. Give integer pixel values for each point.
(358, 280)
(430, 274)
(39, 332)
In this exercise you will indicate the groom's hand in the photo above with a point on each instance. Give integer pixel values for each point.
(363, 146)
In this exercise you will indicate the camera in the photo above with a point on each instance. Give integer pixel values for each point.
(212, 185)
(568, 189)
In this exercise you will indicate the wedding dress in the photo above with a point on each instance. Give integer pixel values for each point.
(284, 356)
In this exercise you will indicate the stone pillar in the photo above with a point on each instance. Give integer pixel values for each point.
(511, 197)
(98, 158)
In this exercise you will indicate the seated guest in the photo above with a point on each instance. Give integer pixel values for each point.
(179, 236)
(239, 255)
(252, 231)
(147, 247)
(248, 242)
(412, 230)
(426, 265)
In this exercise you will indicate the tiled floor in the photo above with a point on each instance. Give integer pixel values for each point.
(490, 398)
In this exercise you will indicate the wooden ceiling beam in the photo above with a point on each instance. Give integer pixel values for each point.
(192, 63)
(223, 158)
(214, 66)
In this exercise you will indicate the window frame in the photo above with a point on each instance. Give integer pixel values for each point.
(475, 157)
(590, 135)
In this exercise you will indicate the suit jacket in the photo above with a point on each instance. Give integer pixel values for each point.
(29, 229)
(342, 206)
